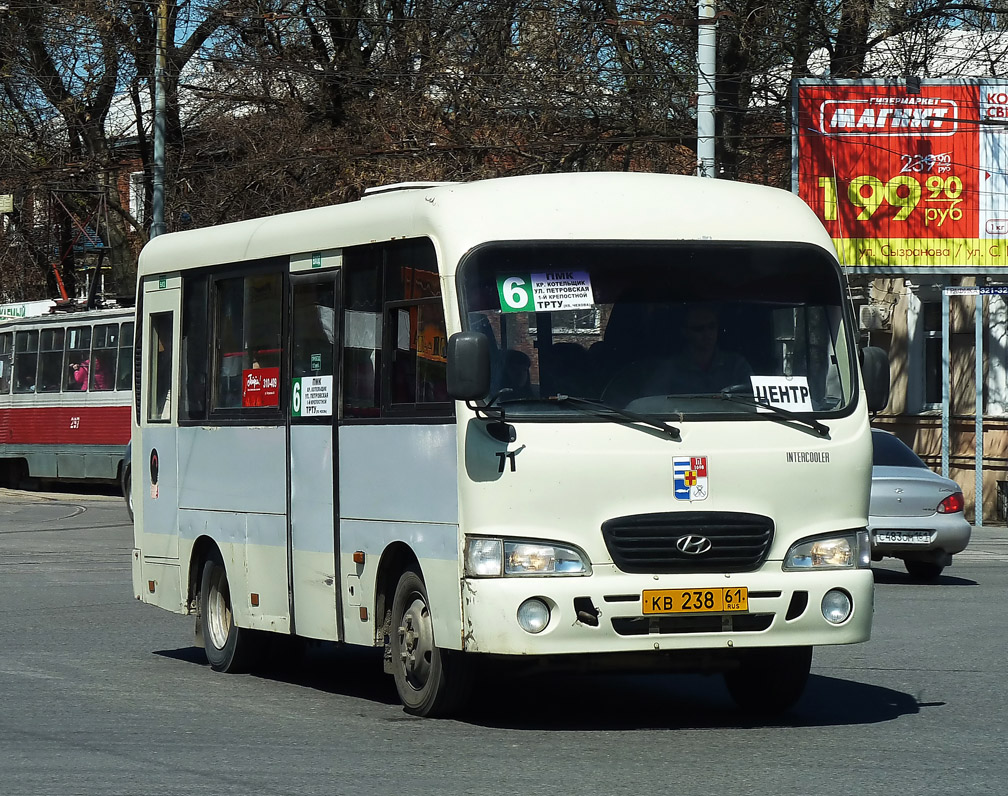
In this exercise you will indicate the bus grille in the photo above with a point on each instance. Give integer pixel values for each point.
(664, 625)
(676, 542)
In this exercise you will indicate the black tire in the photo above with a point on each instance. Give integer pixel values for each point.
(430, 681)
(923, 570)
(769, 681)
(228, 647)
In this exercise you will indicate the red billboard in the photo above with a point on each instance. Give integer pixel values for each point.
(904, 175)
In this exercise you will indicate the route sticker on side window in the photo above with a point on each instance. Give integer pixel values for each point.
(550, 291)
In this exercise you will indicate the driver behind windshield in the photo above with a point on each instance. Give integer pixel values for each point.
(696, 364)
(701, 365)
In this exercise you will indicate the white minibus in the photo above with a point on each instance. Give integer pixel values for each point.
(605, 421)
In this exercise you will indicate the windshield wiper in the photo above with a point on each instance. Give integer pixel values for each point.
(605, 409)
(727, 395)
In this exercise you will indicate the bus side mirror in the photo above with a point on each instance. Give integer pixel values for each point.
(468, 366)
(875, 370)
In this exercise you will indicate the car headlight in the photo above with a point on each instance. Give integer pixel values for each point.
(845, 551)
(489, 558)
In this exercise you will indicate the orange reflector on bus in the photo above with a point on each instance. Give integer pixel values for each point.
(358, 557)
(255, 599)
(150, 586)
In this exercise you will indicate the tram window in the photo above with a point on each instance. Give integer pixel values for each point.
(50, 372)
(78, 354)
(248, 320)
(25, 360)
(124, 373)
(6, 361)
(104, 350)
(159, 368)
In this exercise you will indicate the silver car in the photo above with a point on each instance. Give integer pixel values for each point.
(915, 514)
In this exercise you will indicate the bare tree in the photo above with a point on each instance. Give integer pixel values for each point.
(68, 69)
(277, 105)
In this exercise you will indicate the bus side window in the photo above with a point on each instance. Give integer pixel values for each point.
(230, 354)
(6, 361)
(416, 325)
(248, 319)
(419, 354)
(25, 360)
(193, 384)
(159, 364)
(362, 331)
(314, 329)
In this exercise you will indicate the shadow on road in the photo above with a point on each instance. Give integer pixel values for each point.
(350, 671)
(555, 701)
(886, 576)
(685, 702)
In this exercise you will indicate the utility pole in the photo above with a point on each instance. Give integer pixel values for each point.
(158, 196)
(706, 65)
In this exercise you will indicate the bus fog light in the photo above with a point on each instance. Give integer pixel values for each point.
(533, 615)
(836, 606)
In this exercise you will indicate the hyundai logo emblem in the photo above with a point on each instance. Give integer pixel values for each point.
(693, 545)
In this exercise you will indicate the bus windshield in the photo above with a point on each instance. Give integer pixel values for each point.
(665, 328)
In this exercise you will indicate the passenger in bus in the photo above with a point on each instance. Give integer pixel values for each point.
(702, 366)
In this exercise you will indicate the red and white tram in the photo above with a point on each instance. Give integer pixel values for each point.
(65, 395)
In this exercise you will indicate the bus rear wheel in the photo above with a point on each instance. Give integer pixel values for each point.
(769, 681)
(430, 681)
(228, 647)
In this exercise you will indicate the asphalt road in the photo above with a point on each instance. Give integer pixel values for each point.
(102, 695)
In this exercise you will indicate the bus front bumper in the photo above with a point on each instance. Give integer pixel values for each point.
(604, 612)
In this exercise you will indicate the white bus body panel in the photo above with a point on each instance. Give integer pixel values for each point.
(399, 483)
(244, 512)
(313, 542)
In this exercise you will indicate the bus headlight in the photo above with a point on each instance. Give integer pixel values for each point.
(847, 551)
(483, 557)
(488, 558)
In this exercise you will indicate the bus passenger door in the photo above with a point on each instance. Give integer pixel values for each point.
(314, 573)
(157, 479)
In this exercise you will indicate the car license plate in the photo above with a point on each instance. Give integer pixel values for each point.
(695, 601)
(903, 537)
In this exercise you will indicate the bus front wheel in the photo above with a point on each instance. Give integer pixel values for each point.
(430, 681)
(769, 680)
(229, 648)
